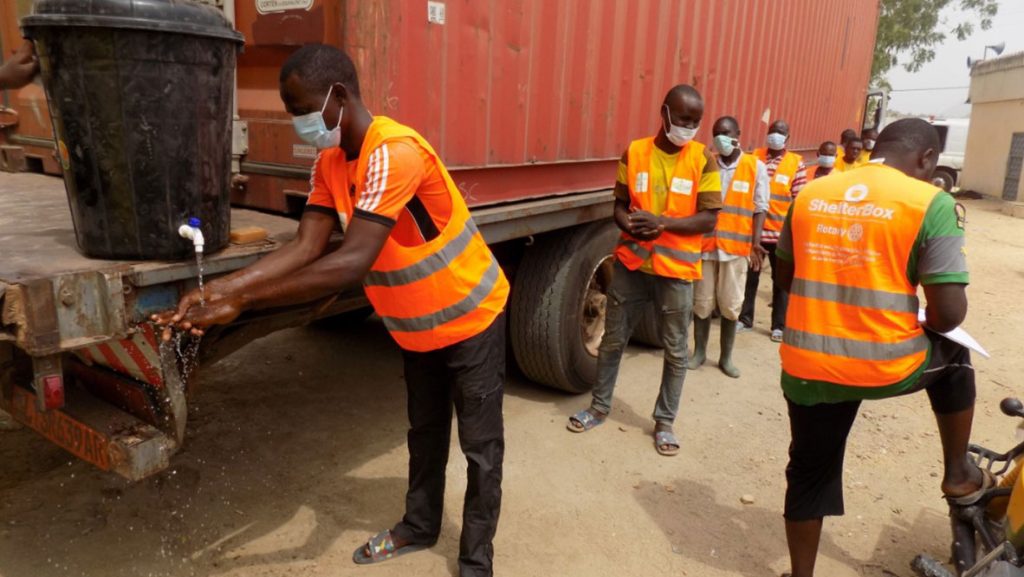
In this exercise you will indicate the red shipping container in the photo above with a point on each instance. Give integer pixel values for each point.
(529, 98)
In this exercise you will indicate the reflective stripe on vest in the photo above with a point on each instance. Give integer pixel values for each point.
(863, 350)
(737, 211)
(450, 313)
(443, 291)
(734, 231)
(852, 236)
(427, 266)
(644, 253)
(781, 193)
(869, 298)
(672, 255)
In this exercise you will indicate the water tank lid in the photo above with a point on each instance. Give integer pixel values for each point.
(172, 16)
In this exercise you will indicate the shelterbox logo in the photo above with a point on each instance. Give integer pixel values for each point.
(851, 206)
(869, 210)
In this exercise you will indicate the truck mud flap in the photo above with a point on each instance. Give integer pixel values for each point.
(95, 431)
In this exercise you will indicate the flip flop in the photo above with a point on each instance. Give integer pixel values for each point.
(662, 438)
(382, 548)
(583, 421)
(988, 481)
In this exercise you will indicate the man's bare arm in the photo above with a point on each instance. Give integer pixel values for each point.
(947, 306)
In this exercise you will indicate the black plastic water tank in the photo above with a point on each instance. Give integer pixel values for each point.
(140, 92)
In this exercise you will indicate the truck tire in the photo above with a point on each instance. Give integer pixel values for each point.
(944, 179)
(557, 306)
(568, 273)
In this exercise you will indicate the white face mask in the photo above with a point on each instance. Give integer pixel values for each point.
(678, 135)
(826, 161)
(725, 144)
(869, 144)
(312, 129)
(776, 141)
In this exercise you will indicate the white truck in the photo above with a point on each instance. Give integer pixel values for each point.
(953, 137)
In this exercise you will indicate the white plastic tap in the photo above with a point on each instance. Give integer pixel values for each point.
(192, 232)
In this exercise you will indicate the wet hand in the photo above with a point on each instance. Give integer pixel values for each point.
(220, 312)
(172, 319)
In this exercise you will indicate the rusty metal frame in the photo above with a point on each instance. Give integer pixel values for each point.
(52, 315)
(502, 223)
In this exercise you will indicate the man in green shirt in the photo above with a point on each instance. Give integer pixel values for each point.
(851, 318)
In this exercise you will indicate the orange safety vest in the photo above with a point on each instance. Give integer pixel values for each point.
(781, 188)
(672, 255)
(734, 233)
(852, 315)
(812, 172)
(440, 292)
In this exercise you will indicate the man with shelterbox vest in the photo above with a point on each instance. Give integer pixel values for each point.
(667, 195)
(730, 249)
(787, 175)
(410, 241)
(853, 251)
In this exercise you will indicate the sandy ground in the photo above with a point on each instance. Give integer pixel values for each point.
(296, 453)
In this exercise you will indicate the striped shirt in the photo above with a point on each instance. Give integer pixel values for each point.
(403, 189)
(799, 180)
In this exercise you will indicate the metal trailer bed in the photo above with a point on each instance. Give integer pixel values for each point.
(80, 363)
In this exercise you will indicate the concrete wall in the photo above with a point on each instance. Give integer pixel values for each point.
(997, 111)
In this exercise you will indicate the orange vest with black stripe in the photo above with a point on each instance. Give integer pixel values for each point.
(781, 185)
(443, 291)
(734, 233)
(672, 255)
(852, 315)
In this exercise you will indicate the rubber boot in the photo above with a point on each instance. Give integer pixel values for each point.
(728, 340)
(701, 331)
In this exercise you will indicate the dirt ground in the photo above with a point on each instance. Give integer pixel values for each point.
(296, 453)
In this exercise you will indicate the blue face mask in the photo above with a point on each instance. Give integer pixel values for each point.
(776, 141)
(725, 144)
(312, 129)
(826, 161)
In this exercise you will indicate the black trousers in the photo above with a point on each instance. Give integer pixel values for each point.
(780, 298)
(470, 376)
(814, 475)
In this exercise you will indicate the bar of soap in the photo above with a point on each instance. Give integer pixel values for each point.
(248, 234)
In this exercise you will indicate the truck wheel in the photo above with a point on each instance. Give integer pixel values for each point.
(558, 304)
(944, 179)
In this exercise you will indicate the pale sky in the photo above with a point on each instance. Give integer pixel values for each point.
(949, 69)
